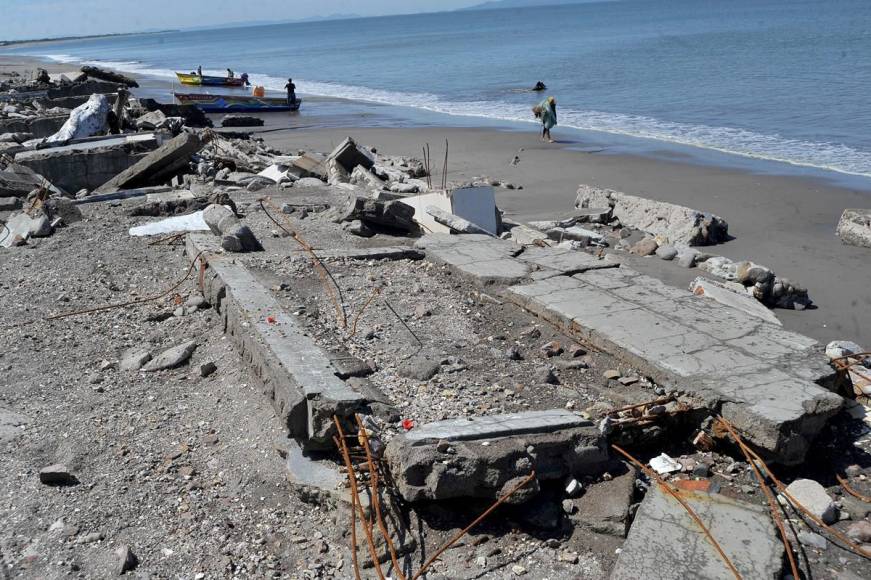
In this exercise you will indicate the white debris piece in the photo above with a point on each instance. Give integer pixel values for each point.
(85, 120)
(664, 464)
(192, 222)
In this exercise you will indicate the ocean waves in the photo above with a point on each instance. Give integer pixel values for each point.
(824, 155)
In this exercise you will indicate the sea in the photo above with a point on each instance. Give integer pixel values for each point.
(780, 80)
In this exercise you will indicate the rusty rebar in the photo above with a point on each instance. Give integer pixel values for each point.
(852, 546)
(322, 270)
(773, 506)
(355, 498)
(674, 493)
(375, 293)
(465, 530)
(376, 499)
(852, 491)
(128, 303)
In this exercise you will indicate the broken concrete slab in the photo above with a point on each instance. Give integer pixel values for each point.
(10, 203)
(733, 295)
(486, 456)
(39, 127)
(550, 262)
(193, 222)
(21, 227)
(73, 168)
(665, 542)
(86, 88)
(476, 205)
(387, 214)
(18, 181)
(604, 507)
(349, 155)
(676, 223)
(296, 374)
(158, 166)
(854, 227)
(378, 253)
(452, 222)
(764, 379)
(484, 259)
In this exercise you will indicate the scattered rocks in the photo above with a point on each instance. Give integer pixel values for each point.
(57, 474)
(644, 247)
(860, 532)
(207, 369)
(125, 559)
(172, 358)
(546, 376)
(551, 349)
(814, 498)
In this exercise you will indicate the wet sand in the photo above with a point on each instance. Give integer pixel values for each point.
(784, 222)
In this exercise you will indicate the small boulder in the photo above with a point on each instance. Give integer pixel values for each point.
(814, 498)
(126, 560)
(172, 358)
(644, 247)
(57, 474)
(419, 368)
(860, 532)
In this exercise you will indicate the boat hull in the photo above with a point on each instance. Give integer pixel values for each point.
(237, 104)
(197, 80)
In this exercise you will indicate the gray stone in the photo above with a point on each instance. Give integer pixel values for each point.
(420, 368)
(63, 208)
(150, 121)
(135, 360)
(171, 358)
(241, 121)
(546, 376)
(854, 227)
(857, 508)
(358, 228)
(235, 237)
(208, 369)
(493, 453)
(813, 540)
(308, 182)
(814, 498)
(604, 507)
(677, 224)
(125, 559)
(11, 424)
(860, 532)
(645, 247)
(666, 252)
(664, 542)
(57, 474)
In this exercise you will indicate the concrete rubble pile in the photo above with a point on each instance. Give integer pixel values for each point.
(678, 358)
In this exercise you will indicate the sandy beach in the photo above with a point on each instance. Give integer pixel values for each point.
(781, 221)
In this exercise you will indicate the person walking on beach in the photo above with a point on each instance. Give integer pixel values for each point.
(291, 92)
(547, 112)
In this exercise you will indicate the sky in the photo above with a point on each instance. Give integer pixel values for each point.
(24, 19)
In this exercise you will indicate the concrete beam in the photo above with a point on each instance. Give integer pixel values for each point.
(296, 374)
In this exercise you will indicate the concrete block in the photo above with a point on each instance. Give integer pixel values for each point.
(854, 227)
(158, 166)
(349, 155)
(665, 542)
(296, 374)
(604, 507)
(485, 456)
(73, 169)
(735, 296)
(483, 259)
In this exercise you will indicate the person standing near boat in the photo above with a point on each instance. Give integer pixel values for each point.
(546, 110)
(230, 74)
(291, 92)
(200, 71)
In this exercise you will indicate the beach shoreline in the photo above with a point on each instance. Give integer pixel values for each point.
(786, 222)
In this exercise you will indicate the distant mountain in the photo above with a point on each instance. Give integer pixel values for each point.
(497, 4)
